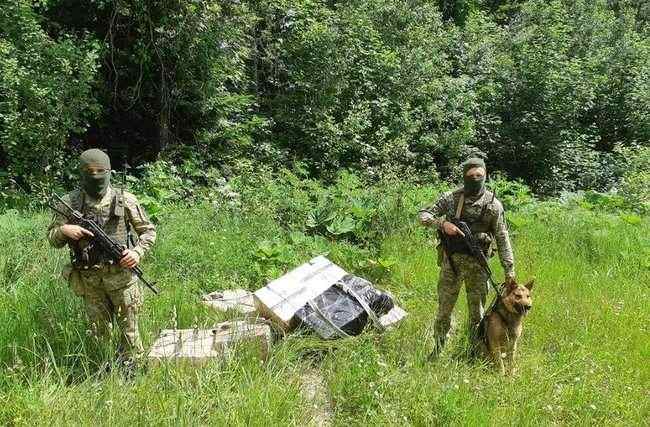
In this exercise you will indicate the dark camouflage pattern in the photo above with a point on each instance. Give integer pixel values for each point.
(110, 292)
(491, 223)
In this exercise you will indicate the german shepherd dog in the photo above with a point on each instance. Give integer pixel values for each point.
(502, 325)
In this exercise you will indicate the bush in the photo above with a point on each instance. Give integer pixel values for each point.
(512, 194)
(46, 95)
(366, 85)
(162, 184)
(568, 92)
(386, 88)
(634, 187)
(350, 209)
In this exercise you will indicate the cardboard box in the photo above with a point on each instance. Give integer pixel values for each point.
(394, 316)
(281, 298)
(199, 346)
(239, 300)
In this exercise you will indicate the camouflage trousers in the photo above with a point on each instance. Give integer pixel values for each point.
(111, 295)
(475, 278)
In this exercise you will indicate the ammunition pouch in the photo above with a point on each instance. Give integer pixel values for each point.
(457, 245)
(453, 244)
(86, 253)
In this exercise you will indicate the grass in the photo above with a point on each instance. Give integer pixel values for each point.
(583, 358)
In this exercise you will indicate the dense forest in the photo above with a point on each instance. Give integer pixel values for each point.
(554, 93)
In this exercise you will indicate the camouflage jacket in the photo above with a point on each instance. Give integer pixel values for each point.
(483, 213)
(109, 213)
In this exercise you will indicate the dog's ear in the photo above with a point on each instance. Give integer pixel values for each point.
(511, 285)
(530, 284)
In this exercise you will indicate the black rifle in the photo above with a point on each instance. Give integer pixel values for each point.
(107, 244)
(471, 245)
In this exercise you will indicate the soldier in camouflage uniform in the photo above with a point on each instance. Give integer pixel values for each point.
(110, 291)
(484, 215)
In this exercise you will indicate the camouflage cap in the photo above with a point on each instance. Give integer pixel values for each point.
(94, 157)
(473, 162)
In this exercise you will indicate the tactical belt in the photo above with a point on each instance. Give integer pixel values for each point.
(97, 266)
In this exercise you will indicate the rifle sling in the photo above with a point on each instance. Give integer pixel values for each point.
(459, 207)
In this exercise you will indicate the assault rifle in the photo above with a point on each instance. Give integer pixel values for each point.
(471, 244)
(107, 244)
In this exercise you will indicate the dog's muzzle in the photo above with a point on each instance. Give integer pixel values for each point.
(523, 309)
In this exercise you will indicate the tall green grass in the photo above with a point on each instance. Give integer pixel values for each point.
(583, 357)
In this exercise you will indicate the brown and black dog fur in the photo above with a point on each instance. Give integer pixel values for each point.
(504, 323)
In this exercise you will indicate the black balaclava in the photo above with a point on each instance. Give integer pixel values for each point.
(95, 185)
(471, 186)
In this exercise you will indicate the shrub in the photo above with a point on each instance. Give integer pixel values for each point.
(512, 194)
(45, 88)
(634, 187)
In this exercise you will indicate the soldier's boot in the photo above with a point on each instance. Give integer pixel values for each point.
(130, 355)
(441, 331)
(438, 346)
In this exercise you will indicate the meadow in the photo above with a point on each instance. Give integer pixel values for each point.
(583, 357)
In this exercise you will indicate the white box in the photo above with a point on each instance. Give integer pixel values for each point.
(281, 298)
(239, 300)
(201, 345)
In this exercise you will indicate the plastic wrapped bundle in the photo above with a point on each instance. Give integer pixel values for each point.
(345, 308)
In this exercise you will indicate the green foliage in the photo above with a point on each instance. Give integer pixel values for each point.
(552, 91)
(503, 11)
(589, 280)
(348, 210)
(174, 76)
(208, 91)
(634, 187)
(632, 192)
(566, 95)
(272, 258)
(45, 95)
(457, 10)
(368, 85)
(162, 183)
(595, 200)
(512, 194)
